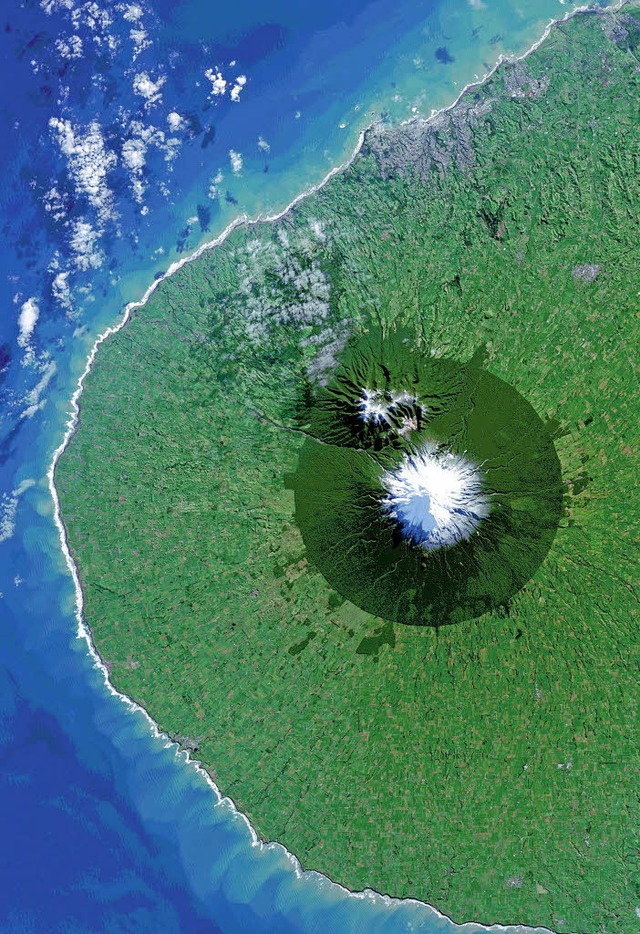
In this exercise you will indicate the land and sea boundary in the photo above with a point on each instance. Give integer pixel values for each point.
(487, 768)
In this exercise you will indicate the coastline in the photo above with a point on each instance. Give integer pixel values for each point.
(83, 630)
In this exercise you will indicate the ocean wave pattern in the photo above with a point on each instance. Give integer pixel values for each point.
(133, 135)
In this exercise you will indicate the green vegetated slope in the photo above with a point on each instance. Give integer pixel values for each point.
(489, 767)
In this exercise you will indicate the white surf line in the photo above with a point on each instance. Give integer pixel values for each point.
(83, 631)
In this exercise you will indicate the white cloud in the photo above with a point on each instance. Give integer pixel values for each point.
(27, 321)
(88, 162)
(9, 507)
(31, 410)
(477, 4)
(66, 136)
(241, 80)
(83, 243)
(56, 204)
(175, 121)
(218, 83)
(263, 145)
(145, 87)
(61, 290)
(236, 161)
(134, 152)
(258, 301)
(213, 185)
(170, 148)
(34, 399)
(318, 229)
(140, 40)
(90, 17)
(53, 6)
(132, 12)
(97, 20)
(69, 48)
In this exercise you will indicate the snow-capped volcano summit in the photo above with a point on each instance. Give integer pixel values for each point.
(436, 497)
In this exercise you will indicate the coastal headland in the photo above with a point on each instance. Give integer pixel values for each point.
(488, 767)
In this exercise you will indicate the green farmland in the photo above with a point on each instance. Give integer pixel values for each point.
(489, 766)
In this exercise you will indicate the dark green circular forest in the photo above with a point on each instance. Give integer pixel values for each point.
(431, 403)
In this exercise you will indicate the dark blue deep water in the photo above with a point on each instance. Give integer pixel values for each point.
(131, 133)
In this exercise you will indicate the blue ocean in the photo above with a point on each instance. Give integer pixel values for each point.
(133, 132)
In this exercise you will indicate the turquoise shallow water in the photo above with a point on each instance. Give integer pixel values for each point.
(104, 827)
